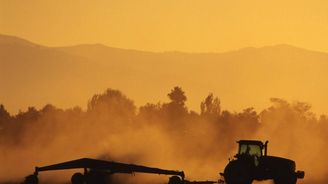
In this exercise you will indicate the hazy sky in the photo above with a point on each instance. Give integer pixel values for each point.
(159, 25)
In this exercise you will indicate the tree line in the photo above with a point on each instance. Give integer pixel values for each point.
(112, 120)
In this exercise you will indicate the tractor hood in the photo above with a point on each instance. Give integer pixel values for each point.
(277, 163)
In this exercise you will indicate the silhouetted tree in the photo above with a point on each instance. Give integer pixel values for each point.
(4, 118)
(248, 121)
(210, 107)
(48, 108)
(177, 96)
(249, 115)
(30, 115)
(289, 113)
(113, 103)
(176, 108)
(150, 111)
(4, 114)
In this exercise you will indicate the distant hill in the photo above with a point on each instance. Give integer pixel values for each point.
(31, 74)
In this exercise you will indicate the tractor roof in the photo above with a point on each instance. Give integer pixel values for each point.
(256, 142)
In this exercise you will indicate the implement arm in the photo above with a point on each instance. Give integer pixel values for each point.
(112, 167)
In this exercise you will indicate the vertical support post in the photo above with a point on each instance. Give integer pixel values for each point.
(266, 148)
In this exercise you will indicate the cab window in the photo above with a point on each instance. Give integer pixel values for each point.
(253, 150)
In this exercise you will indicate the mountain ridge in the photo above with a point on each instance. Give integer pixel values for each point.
(18, 40)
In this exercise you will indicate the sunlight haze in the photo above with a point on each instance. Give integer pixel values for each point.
(164, 84)
(165, 25)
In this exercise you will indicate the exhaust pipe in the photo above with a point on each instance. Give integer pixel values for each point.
(266, 148)
(300, 174)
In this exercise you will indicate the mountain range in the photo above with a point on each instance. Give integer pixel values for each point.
(34, 75)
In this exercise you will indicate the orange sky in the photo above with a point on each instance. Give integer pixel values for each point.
(157, 25)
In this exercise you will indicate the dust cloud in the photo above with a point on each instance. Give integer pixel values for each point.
(165, 135)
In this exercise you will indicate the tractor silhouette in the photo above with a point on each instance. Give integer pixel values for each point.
(252, 163)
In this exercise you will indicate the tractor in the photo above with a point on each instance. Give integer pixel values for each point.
(252, 163)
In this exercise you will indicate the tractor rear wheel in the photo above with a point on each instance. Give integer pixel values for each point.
(237, 173)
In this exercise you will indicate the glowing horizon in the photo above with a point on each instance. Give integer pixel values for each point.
(192, 26)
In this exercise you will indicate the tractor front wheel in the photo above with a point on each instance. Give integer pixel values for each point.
(291, 179)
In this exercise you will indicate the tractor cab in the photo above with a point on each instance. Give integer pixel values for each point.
(252, 148)
(252, 163)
